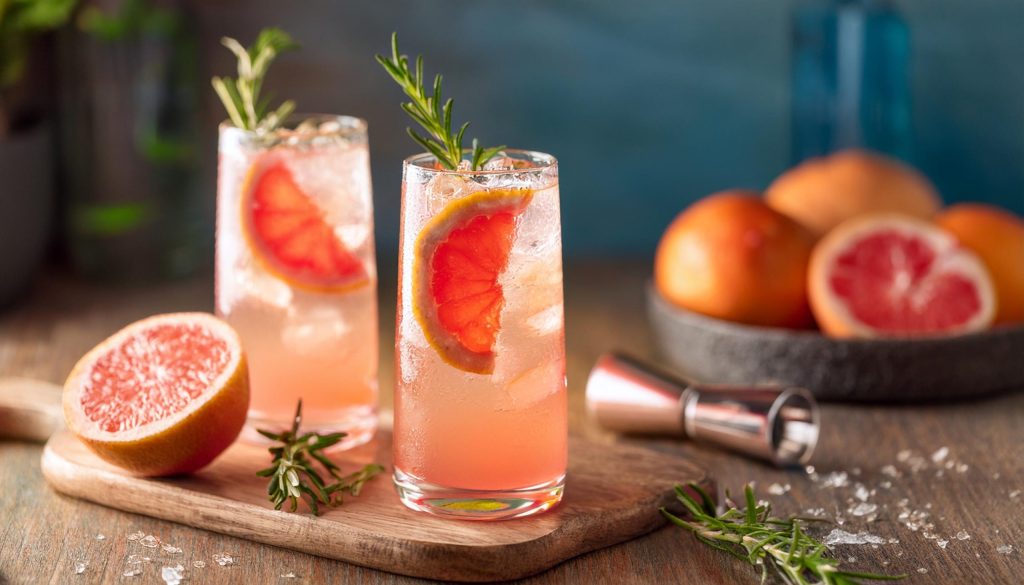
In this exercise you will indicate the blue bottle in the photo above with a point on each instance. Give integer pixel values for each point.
(850, 79)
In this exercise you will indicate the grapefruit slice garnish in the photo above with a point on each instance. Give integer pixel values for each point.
(291, 236)
(162, 396)
(891, 275)
(460, 254)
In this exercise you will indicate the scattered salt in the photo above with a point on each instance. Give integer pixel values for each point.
(861, 493)
(1014, 494)
(138, 559)
(289, 575)
(839, 536)
(172, 575)
(836, 479)
(778, 490)
(894, 541)
(851, 559)
(862, 509)
(150, 541)
(132, 571)
(962, 468)
(815, 512)
(224, 559)
(922, 570)
(891, 471)
(170, 549)
(134, 536)
(940, 455)
(199, 564)
(1004, 549)
(101, 537)
(962, 535)
(942, 543)
(903, 455)
(80, 567)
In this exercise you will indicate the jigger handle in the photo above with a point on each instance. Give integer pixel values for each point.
(30, 410)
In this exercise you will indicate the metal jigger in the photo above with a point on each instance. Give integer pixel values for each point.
(779, 424)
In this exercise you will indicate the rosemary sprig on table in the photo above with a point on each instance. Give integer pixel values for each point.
(754, 536)
(247, 109)
(431, 114)
(292, 476)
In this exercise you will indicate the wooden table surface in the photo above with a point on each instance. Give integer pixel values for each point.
(954, 472)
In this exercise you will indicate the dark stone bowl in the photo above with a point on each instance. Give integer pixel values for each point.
(863, 370)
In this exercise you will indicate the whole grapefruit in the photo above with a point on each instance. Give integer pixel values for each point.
(732, 257)
(997, 237)
(821, 193)
(163, 396)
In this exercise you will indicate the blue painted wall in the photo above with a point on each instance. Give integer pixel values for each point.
(648, 104)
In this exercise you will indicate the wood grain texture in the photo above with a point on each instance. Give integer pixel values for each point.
(43, 533)
(374, 529)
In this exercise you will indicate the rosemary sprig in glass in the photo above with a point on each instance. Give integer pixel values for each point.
(754, 536)
(431, 113)
(247, 109)
(293, 477)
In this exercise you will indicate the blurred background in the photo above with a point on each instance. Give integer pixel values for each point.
(108, 122)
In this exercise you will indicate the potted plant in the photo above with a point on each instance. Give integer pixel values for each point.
(26, 155)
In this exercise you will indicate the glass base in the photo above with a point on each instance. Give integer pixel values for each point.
(467, 504)
(359, 422)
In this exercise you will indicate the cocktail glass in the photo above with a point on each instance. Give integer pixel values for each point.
(296, 275)
(481, 425)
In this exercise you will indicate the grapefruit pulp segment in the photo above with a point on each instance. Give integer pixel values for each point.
(459, 256)
(291, 236)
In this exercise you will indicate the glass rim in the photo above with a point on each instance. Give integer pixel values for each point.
(544, 161)
(348, 125)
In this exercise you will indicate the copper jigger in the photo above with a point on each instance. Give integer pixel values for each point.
(776, 423)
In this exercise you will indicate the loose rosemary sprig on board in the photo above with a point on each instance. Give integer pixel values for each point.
(752, 535)
(431, 114)
(241, 97)
(292, 476)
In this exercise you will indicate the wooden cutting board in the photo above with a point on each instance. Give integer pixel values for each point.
(612, 494)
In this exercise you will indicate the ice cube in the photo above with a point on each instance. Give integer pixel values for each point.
(149, 541)
(535, 384)
(311, 329)
(547, 321)
(500, 163)
(252, 282)
(444, 188)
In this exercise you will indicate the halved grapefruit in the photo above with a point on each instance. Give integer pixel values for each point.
(460, 254)
(897, 276)
(163, 396)
(290, 234)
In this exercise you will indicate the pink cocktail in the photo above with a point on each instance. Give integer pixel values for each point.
(480, 404)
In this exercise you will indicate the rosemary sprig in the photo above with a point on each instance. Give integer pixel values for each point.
(293, 477)
(754, 536)
(433, 115)
(241, 97)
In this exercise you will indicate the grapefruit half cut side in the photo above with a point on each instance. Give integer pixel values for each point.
(163, 396)
(897, 276)
(290, 234)
(459, 257)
